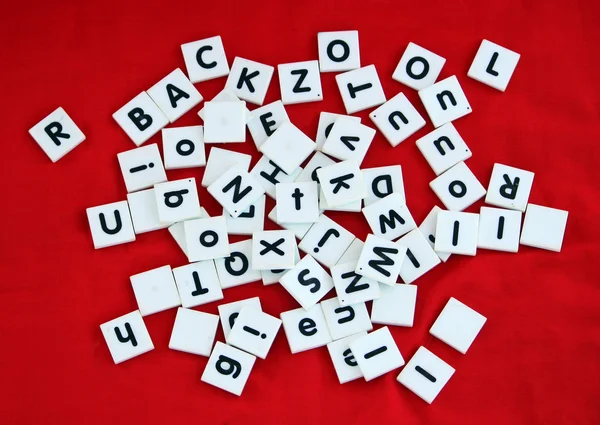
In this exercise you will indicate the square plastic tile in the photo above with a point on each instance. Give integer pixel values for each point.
(326, 241)
(420, 257)
(352, 288)
(493, 65)
(381, 260)
(326, 121)
(418, 67)
(249, 80)
(230, 311)
(345, 320)
(110, 224)
(206, 238)
(250, 221)
(175, 95)
(205, 59)
(273, 249)
(445, 101)
(57, 134)
(343, 360)
(352, 254)
(269, 174)
(225, 95)
(300, 82)
(194, 332)
(397, 119)
(307, 282)
(140, 118)
(183, 147)
(225, 121)
(305, 329)
(338, 51)
(141, 167)
(288, 147)
(254, 332)
(177, 231)
(395, 306)
(177, 200)
(236, 269)
(155, 290)
(269, 277)
(221, 160)
(297, 202)
(544, 227)
(144, 212)
(443, 148)
(499, 229)
(428, 229)
(458, 188)
(265, 120)
(342, 183)
(457, 232)
(354, 206)
(228, 368)
(376, 353)
(360, 89)
(198, 283)
(509, 187)
(127, 337)
(348, 139)
(383, 181)
(457, 325)
(300, 230)
(389, 218)
(236, 190)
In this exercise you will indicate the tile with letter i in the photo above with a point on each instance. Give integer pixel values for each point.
(376, 353)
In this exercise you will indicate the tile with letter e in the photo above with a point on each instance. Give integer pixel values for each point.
(380, 260)
(443, 148)
(273, 249)
(395, 306)
(225, 121)
(420, 257)
(493, 65)
(428, 229)
(389, 218)
(348, 139)
(326, 241)
(249, 80)
(141, 167)
(343, 360)
(221, 160)
(270, 174)
(445, 101)
(425, 374)
(457, 232)
(499, 229)
(360, 89)
(397, 119)
(342, 183)
(418, 67)
(297, 202)
(230, 311)
(194, 332)
(144, 212)
(236, 190)
(338, 51)
(265, 120)
(57, 134)
(198, 283)
(544, 227)
(177, 200)
(457, 325)
(205, 59)
(250, 221)
(183, 147)
(175, 95)
(206, 238)
(458, 188)
(228, 368)
(509, 187)
(254, 332)
(305, 329)
(307, 282)
(345, 320)
(140, 118)
(110, 224)
(236, 269)
(383, 181)
(326, 122)
(376, 353)
(288, 147)
(300, 82)
(155, 290)
(127, 337)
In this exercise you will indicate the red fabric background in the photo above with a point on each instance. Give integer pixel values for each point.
(536, 360)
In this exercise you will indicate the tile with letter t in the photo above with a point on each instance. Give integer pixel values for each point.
(300, 82)
(236, 269)
(544, 227)
(205, 59)
(305, 329)
(389, 218)
(228, 368)
(338, 51)
(418, 67)
(383, 181)
(288, 147)
(428, 229)
(155, 290)
(307, 282)
(445, 101)
(221, 160)
(395, 306)
(110, 224)
(141, 167)
(250, 221)
(177, 200)
(345, 320)
(499, 229)
(183, 147)
(225, 121)
(230, 311)
(144, 212)
(249, 80)
(270, 174)
(509, 187)
(265, 120)
(198, 283)
(376, 353)
(57, 134)
(397, 119)
(342, 183)
(236, 190)
(326, 122)
(175, 95)
(273, 249)
(425, 374)
(380, 260)
(206, 238)
(194, 332)
(360, 89)
(493, 65)
(458, 325)
(299, 229)
(127, 337)
(297, 202)
(343, 360)
(254, 332)
(326, 241)
(457, 232)
(458, 188)
(348, 139)
(443, 148)
(140, 118)
(420, 257)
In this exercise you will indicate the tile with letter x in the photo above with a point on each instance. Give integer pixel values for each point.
(273, 249)
(228, 368)
(305, 329)
(198, 283)
(376, 353)
(236, 190)
(381, 260)
(127, 337)
(307, 282)
(254, 332)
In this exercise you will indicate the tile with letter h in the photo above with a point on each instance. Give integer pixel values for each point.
(269, 174)
(389, 218)
(229, 312)
(273, 249)
(338, 51)
(352, 288)
(305, 329)
(127, 337)
(360, 89)
(249, 80)
(205, 59)
(342, 183)
(376, 353)
(445, 101)
(177, 200)
(343, 360)
(236, 269)
(254, 332)
(206, 238)
(57, 134)
(183, 147)
(345, 320)
(493, 65)
(348, 139)
(443, 148)
(418, 67)
(194, 332)
(110, 224)
(300, 82)
(140, 118)
(198, 283)
(397, 119)
(307, 282)
(175, 95)
(141, 167)
(380, 260)
(228, 368)
(458, 188)
(383, 181)
(236, 190)
(509, 187)
(326, 241)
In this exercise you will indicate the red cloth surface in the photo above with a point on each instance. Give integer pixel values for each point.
(536, 360)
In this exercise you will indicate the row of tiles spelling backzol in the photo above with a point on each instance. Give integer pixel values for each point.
(302, 195)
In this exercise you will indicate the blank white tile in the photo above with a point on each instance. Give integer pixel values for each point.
(236, 190)
(254, 332)
(127, 337)
(300, 82)
(457, 232)
(326, 241)
(206, 238)
(338, 51)
(420, 256)
(544, 227)
(225, 121)
(177, 231)
(272, 276)
(236, 269)
(144, 212)
(194, 332)
(397, 119)
(249, 80)
(360, 89)
(305, 329)
(343, 360)
(499, 229)
(198, 283)
(307, 282)
(288, 147)
(380, 260)
(354, 206)
(110, 224)
(183, 147)
(250, 221)
(428, 229)
(458, 325)
(273, 249)
(140, 118)
(443, 148)
(418, 67)
(225, 95)
(220, 160)
(445, 101)
(342, 183)
(345, 320)
(141, 167)
(348, 139)
(509, 187)
(493, 65)
(269, 174)
(228, 368)
(389, 218)
(205, 59)
(57, 134)
(383, 181)
(425, 374)
(230, 311)
(326, 122)
(376, 353)
(175, 95)
(300, 229)
(395, 306)
(352, 288)
(177, 200)
(458, 188)
(352, 253)
(265, 120)
(155, 290)
(297, 202)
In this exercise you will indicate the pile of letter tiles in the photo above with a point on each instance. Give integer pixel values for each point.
(331, 179)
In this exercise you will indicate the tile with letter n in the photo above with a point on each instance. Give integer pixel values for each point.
(381, 260)
(445, 101)
(198, 283)
(110, 224)
(236, 190)
(228, 368)
(127, 337)
(376, 353)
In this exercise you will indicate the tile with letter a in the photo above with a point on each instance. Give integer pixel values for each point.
(418, 67)
(140, 118)
(205, 59)
(326, 241)
(338, 51)
(305, 329)
(228, 368)
(177, 200)
(288, 147)
(360, 89)
(141, 167)
(249, 80)
(110, 224)
(57, 134)
(194, 332)
(544, 227)
(458, 325)
(420, 257)
(206, 238)
(175, 95)
(230, 311)
(198, 283)
(127, 337)
(345, 320)
(389, 218)
(445, 101)
(155, 290)
(236, 269)
(493, 65)
(343, 360)
(509, 187)
(457, 232)
(380, 260)
(376, 353)
(397, 119)
(348, 139)
(254, 332)
(458, 188)
(307, 282)
(443, 148)
(395, 306)
(300, 82)
(236, 190)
